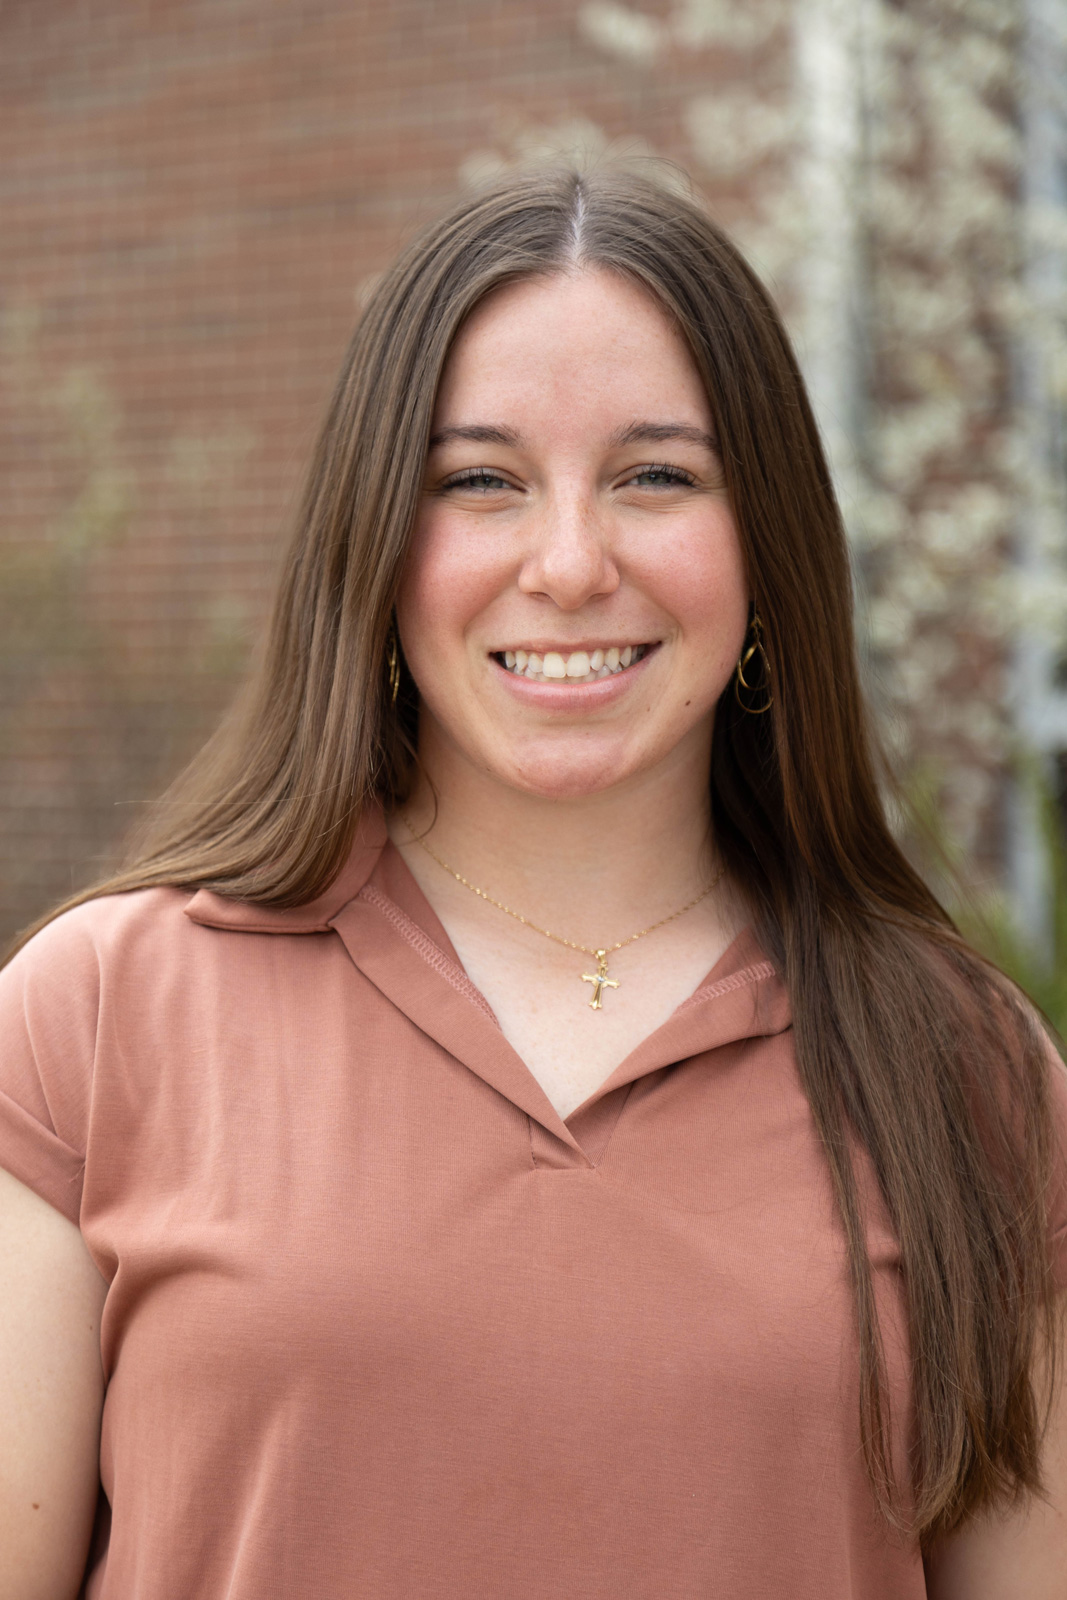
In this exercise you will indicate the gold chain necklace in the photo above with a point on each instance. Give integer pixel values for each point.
(598, 979)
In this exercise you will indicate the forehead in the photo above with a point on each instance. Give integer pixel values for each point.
(592, 341)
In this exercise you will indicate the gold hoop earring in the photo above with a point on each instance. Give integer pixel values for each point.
(393, 658)
(753, 649)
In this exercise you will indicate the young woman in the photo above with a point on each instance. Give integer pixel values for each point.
(520, 1127)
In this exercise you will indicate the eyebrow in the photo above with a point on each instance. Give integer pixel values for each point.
(662, 432)
(476, 433)
(635, 433)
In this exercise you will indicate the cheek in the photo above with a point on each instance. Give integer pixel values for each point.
(447, 582)
(699, 579)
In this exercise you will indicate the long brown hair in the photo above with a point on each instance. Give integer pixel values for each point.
(908, 1043)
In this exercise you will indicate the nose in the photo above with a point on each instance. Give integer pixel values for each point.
(570, 561)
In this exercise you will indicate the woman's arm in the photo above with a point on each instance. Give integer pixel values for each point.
(51, 1390)
(1020, 1554)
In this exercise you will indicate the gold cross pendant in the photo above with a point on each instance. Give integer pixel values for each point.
(599, 980)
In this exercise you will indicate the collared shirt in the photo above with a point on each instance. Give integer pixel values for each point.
(381, 1324)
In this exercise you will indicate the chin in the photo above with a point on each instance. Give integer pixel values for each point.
(566, 776)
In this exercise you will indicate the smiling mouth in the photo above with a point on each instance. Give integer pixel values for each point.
(579, 666)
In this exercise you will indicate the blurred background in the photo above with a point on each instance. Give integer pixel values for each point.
(197, 195)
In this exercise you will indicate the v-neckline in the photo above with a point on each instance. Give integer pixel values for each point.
(397, 940)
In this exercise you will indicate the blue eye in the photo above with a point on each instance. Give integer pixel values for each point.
(479, 479)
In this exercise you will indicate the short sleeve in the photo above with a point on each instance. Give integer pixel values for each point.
(49, 1003)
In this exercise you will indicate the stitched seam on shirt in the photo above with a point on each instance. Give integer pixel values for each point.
(431, 953)
(736, 980)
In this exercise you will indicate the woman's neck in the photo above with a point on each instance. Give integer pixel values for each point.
(591, 866)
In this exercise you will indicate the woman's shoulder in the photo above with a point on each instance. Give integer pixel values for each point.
(80, 939)
(170, 920)
(52, 1000)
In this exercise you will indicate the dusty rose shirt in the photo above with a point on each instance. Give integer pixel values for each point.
(381, 1324)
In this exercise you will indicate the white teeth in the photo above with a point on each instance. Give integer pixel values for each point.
(580, 666)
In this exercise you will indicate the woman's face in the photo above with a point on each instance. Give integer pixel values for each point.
(574, 601)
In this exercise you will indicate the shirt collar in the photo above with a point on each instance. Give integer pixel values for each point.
(213, 910)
